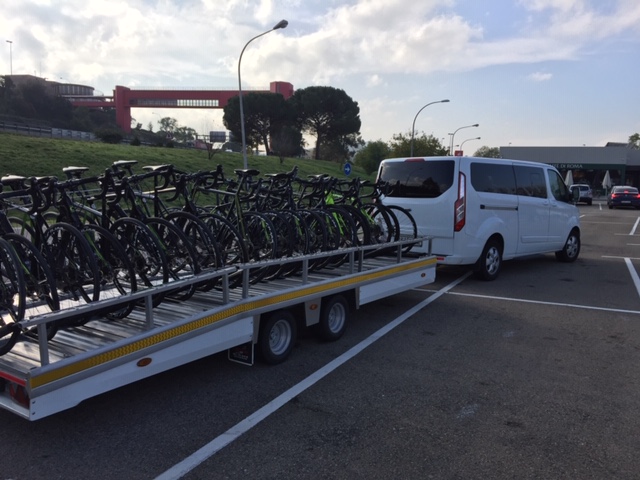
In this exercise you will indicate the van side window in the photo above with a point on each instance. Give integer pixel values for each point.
(493, 178)
(417, 179)
(530, 181)
(559, 189)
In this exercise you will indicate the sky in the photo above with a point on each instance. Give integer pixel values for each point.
(529, 72)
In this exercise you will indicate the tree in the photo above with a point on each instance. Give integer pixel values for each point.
(634, 141)
(488, 152)
(265, 115)
(184, 134)
(342, 148)
(371, 155)
(168, 125)
(33, 100)
(423, 146)
(287, 142)
(327, 113)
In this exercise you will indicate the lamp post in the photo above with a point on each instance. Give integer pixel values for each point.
(454, 133)
(467, 140)
(10, 42)
(413, 126)
(280, 24)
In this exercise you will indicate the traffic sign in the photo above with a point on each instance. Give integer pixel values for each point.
(347, 168)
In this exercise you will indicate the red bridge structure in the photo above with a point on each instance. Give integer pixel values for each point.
(124, 99)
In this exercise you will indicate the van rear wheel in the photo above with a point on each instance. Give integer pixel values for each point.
(571, 249)
(488, 265)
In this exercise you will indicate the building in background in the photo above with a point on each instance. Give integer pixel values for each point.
(587, 164)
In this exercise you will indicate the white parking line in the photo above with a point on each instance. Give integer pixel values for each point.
(634, 274)
(218, 443)
(557, 304)
(635, 227)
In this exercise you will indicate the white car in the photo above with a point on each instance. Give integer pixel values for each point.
(586, 195)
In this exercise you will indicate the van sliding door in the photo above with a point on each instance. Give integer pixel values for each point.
(533, 208)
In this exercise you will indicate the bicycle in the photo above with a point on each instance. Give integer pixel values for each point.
(63, 246)
(12, 297)
(116, 269)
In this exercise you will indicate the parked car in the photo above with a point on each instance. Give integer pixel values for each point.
(586, 195)
(623, 196)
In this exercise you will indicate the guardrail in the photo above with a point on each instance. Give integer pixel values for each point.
(38, 131)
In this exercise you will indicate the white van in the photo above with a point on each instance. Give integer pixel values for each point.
(481, 211)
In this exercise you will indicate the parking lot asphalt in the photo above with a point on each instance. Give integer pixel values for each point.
(533, 375)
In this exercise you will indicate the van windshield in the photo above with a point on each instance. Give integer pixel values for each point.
(417, 179)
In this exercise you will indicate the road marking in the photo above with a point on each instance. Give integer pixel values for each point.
(218, 443)
(634, 274)
(556, 304)
(635, 227)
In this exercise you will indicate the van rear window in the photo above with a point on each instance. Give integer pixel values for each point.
(417, 179)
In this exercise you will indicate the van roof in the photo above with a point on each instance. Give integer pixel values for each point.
(452, 157)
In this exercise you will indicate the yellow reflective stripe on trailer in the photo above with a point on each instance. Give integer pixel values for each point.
(49, 376)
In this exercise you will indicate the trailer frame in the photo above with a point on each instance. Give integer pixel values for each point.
(40, 378)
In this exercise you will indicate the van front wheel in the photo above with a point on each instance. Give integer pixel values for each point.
(571, 249)
(488, 265)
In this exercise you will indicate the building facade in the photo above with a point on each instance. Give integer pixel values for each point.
(587, 164)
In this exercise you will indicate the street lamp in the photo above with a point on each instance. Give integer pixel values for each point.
(10, 42)
(468, 139)
(280, 24)
(454, 133)
(413, 126)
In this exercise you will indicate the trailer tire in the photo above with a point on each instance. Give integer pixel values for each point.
(277, 336)
(333, 318)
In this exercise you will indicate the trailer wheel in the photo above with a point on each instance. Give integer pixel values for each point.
(276, 338)
(333, 318)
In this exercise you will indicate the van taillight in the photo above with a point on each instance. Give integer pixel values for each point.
(460, 207)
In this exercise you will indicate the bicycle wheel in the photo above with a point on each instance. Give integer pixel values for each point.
(39, 281)
(298, 241)
(316, 231)
(383, 223)
(203, 242)
(348, 234)
(117, 274)
(361, 224)
(181, 257)
(22, 227)
(71, 258)
(383, 227)
(284, 243)
(12, 297)
(145, 252)
(261, 240)
(232, 246)
(407, 227)
(333, 239)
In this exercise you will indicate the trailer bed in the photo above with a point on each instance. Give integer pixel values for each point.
(39, 378)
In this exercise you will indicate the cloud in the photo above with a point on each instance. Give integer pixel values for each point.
(198, 42)
(540, 76)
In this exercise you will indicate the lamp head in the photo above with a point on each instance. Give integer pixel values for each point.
(475, 125)
(446, 100)
(281, 24)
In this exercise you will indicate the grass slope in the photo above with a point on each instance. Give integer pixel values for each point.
(34, 156)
